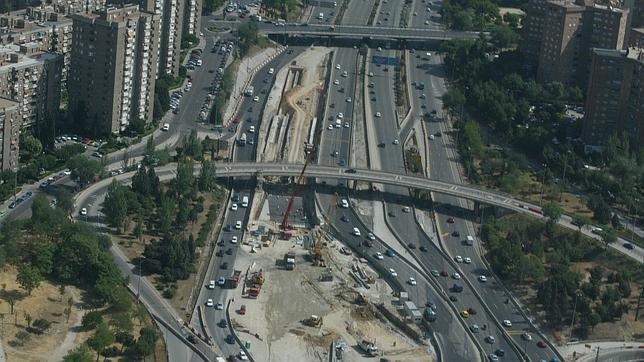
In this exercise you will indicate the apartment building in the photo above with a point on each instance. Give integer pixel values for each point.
(113, 67)
(171, 13)
(560, 51)
(9, 134)
(49, 30)
(192, 17)
(32, 79)
(533, 24)
(614, 100)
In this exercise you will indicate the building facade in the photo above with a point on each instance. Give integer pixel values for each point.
(171, 14)
(9, 134)
(192, 17)
(113, 68)
(615, 97)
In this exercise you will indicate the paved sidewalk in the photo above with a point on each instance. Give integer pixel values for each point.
(587, 351)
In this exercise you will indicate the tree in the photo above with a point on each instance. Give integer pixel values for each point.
(453, 101)
(472, 138)
(84, 169)
(503, 36)
(552, 211)
(208, 176)
(136, 127)
(115, 206)
(145, 344)
(28, 277)
(91, 320)
(30, 144)
(138, 230)
(80, 354)
(102, 338)
(11, 299)
(64, 200)
(126, 339)
(166, 212)
(608, 236)
(41, 325)
(580, 221)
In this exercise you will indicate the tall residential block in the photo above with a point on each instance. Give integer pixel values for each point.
(192, 17)
(49, 30)
(561, 44)
(9, 134)
(171, 14)
(533, 30)
(32, 79)
(113, 68)
(615, 96)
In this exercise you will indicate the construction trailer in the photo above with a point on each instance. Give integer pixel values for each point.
(233, 281)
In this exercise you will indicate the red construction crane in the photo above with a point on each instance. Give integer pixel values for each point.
(310, 151)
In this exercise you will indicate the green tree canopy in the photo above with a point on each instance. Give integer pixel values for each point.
(28, 277)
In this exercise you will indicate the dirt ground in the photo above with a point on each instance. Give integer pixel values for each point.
(289, 297)
(45, 302)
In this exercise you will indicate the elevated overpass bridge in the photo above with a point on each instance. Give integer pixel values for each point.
(240, 169)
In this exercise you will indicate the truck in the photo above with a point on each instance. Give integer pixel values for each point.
(233, 281)
(369, 348)
(289, 260)
(242, 140)
(250, 90)
(469, 240)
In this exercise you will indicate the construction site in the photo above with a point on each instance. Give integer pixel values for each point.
(304, 295)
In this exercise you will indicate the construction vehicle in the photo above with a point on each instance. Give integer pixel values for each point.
(369, 348)
(319, 244)
(253, 292)
(258, 277)
(313, 321)
(233, 280)
(289, 260)
(285, 227)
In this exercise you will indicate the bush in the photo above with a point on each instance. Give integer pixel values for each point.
(112, 351)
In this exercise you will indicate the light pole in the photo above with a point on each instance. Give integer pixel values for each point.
(574, 309)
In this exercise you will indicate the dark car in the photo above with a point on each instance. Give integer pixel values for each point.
(444, 273)
(450, 220)
(423, 249)
(192, 339)
(228, 227)
(453, 298)
(411, 246)
(230, 339)
(541, 344)
(471, 311)
(224, 265)
(381, 145)
(12, 205)
(456, 234)
(219, 253)
(499, 352)
(223, 323)
(344, 218)
(438, 134)
(350, 170)
(229, 251)
(629, 246)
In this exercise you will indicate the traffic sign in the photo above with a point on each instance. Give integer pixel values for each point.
(385, 60)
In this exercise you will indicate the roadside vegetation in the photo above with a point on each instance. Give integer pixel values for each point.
(211, 5)
(52, 252)
(161, 225)
(563, 275)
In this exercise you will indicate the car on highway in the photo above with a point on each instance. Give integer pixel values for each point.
(233, 240)
(346, 125)
(356, 232)
(229, 251)
(230, 339)
(458, 259)
(467, 260)
(492, 357)
(256, 99)
(450, 220)
(456, 276)
(165, 127)
(211, 284)
(338, 66)
(390, 253)
(393, 273)
(379, 256)
(330, 127)
(209, 303)
(344, 218)
(224, 265)
(444, 273)
(453, 298)
(411, 246)
(251, 129)
(411, 281)
(465, 314)
(482, 278)
(271, 71)
(490, 339)
(219, 306)
(456, 234)
(434, 272)
(221, 281)
(526, 336)
(238, 224)
(242, 356)
(541, 344)
(475, 328)
(381, 145)
(336, 82)
(222, 323)
(507, 323)
(628, 246)
(396, 142)
(371, 236)
(471, 311)
(233, 207)
(423, 249)
(83, 211)
(499, 352)
(349, 100)
(378, 114)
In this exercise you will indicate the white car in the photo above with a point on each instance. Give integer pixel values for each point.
(378, 114)
(370, 74)
(371, 236)
(458, 258)
(396, 142)
(411, 281)
(349, 100)
(482, 278)
(256, 99)
(271, 71)
(234, 207)
(345, 74)
(238, 224)
(251, 129)
(431, 137)
(507, 323)
(242, 356)
(336, 82)
(219, 306)
(341, 115)
(221, 281)
(330, 127)
(426, 22)
(356, 232)
(379, 49)
(379, 256)
(456, 276)
(166, 127)
(467, 261)
(393, 272)
(233, 240)
(346, 125)
(526, 336)
(338, 66)
(83, 211)
(211, 284)
(210, 303)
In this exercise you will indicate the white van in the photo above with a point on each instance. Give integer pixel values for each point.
(469, 240)
(245, 201)
(338, 123)
(321, 16)
(356, 232)
(166, 127)
(344, 204)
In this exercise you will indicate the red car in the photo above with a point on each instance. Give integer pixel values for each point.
(450, 220)
(444, 273)
(541, 344)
